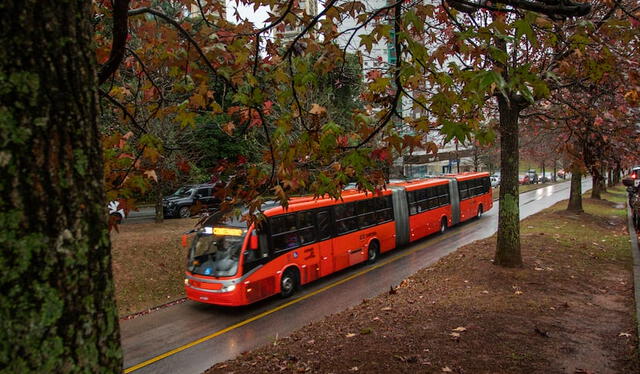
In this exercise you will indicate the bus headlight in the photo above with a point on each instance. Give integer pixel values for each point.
(228, 288)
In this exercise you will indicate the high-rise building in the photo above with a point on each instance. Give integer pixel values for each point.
(310, 7)
(382, 56)
(195, 9)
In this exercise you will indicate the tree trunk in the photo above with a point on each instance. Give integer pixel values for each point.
(158, 202)
(575, 194)
(508, 246)
(596, 186)
(610, 177)
(58, 313)
(603, 180)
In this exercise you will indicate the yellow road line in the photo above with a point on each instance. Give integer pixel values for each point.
(285, 305)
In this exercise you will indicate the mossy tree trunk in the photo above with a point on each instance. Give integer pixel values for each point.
(57, 309)
(575, 194)
(508, 245)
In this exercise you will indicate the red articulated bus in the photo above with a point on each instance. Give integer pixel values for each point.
(230, 263)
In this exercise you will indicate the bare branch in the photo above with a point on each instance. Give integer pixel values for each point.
(119, 40)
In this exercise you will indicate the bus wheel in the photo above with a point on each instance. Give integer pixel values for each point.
(479, 212)
(443, 225)
(288, 282)
(373, 252)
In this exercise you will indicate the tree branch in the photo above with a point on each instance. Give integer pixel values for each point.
(119, 41)
(174, 23)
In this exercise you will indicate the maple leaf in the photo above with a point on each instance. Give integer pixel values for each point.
(151, 174)
(228, 128)
(317, 109)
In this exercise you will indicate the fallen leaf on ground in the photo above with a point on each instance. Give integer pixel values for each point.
(625, 334)
(455, 334)
(446, 369)
(460, 329)
(386, 309)
(350, 335)
(518, 292)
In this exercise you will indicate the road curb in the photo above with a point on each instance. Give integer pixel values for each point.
(633, 236)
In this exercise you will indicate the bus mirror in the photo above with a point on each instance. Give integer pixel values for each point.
(184, 240)
(253, 241)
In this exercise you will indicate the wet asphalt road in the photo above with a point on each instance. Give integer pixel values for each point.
(191, 337)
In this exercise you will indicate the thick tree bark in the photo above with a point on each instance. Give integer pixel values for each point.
(575, 194)
(57, 309)
(508, 246)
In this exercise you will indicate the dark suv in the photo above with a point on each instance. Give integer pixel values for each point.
(182, 202)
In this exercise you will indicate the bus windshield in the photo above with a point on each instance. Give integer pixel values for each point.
(216, 250)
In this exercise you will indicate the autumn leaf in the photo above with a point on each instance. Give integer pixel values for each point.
(228, 128)
(317, 109)
(151, 174)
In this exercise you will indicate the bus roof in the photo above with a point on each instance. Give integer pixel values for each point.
(467, 175)
(421, 183)
(310, 202)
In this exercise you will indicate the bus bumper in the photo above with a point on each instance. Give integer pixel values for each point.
(229, 298)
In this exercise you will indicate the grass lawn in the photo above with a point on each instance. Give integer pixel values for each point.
(149, 264)
(569, 309)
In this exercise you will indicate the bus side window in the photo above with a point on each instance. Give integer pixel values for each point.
(307, 230)
(384, 209)
(411, 198)
(346, 219)
(366, 213)
(284, 232)
(324, 225)
(464, 192)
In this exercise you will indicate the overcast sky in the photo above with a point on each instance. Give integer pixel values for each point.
(246, 12)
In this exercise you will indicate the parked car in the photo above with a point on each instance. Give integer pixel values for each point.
(561, 174)
(533, 176)
(495, 181)
(186, 199)
(545, 177)
(524, 179)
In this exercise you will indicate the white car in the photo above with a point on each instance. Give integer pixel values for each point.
(495, 181)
